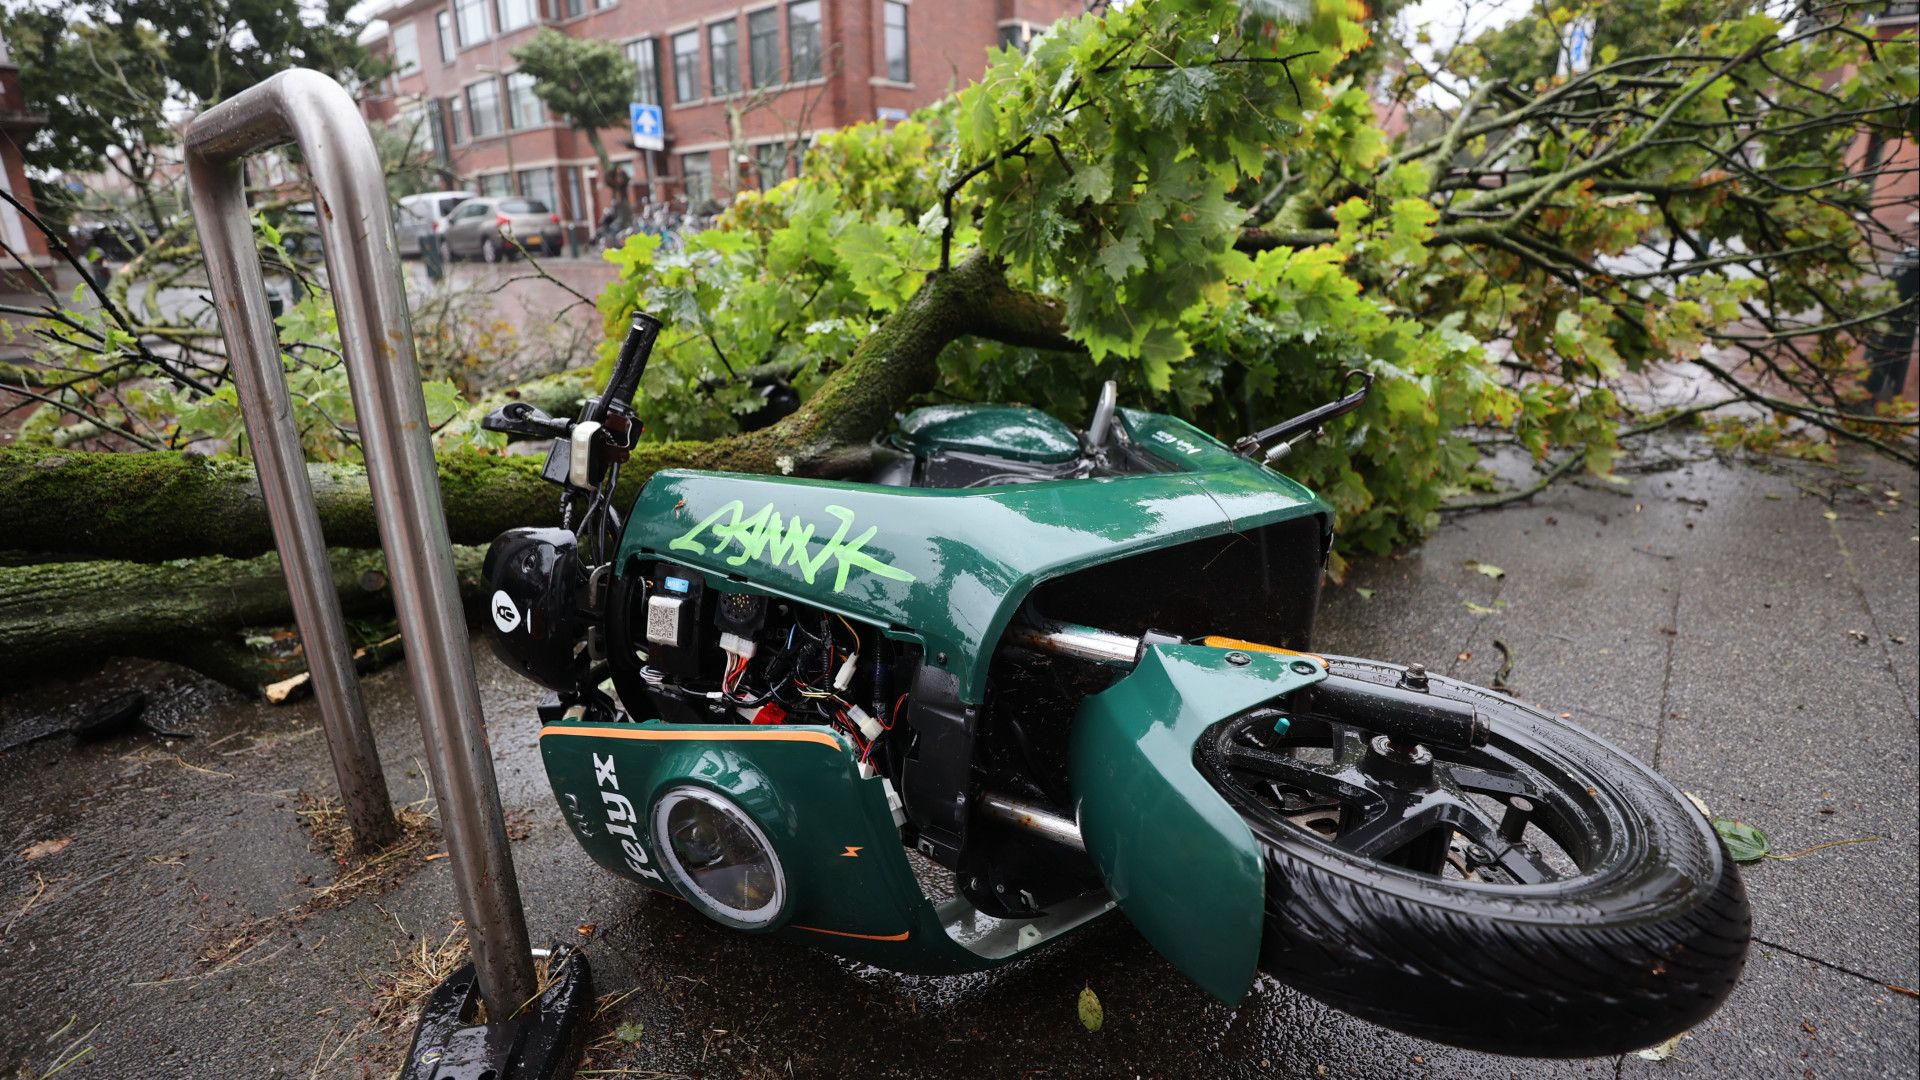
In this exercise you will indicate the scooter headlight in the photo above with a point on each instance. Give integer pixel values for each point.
(719, 858)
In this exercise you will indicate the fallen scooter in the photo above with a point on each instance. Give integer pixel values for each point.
(1065, 672)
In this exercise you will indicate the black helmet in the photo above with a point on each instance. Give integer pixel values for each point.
(534, 583)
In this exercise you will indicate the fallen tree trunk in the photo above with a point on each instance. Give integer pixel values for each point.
(164, 505)
(60, 614)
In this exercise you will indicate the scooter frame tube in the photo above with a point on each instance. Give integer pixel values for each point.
(376, 334)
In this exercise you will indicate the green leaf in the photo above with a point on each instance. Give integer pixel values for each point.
(1180, 95)
(630, 1031)
(1159, 351)
(1364, 592)
(1744, 842)
(1488, 569)
(1121, 258)
(1091, 1014)
(1093, 180)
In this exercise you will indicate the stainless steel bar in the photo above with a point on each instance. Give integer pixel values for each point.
(363, 272)
(227, 237)
(1033, 818)
(1079, 642)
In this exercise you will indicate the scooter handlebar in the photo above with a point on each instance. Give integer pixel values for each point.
(631, 364)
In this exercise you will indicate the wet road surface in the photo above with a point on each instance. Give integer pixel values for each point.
(1713, 620)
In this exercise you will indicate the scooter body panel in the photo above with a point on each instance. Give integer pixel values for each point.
(850, 889)
(1176, 857)
(949, 567)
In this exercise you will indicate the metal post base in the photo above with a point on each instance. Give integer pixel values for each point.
(543, 1042)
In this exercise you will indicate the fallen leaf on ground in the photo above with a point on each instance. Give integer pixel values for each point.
(1488, 569)
(630, 1031)
(1484, 609)
(1661, 1052)
(1699, 804)
(1091, 1014)
(1744, 842)
(1365, 594)
(40, 849)
(586, 929)
(1831, 516)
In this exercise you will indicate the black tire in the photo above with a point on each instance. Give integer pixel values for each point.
(1644, 946)
(490, 250)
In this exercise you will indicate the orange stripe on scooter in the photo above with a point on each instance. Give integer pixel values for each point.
(668, 735)
(1215, 641)
(901, 936)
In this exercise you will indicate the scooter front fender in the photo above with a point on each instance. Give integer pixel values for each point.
(1176, 857)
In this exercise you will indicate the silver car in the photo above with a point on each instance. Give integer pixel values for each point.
(491, 227)
(425, 215)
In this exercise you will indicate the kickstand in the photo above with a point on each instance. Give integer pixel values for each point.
(543, 1042)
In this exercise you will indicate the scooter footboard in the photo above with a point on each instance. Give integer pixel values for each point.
(1175, 856)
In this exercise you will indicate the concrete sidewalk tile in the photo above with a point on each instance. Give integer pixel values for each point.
(1792, 1018)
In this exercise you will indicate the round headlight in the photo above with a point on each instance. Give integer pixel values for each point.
(719, 858)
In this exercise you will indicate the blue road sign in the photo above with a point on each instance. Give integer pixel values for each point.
(649, 128)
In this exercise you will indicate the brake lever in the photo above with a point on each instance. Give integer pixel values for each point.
(522, 418)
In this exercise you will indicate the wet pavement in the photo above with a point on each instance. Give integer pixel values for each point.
(1751, 630)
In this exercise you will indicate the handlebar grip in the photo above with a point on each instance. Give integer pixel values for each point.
(633, 358)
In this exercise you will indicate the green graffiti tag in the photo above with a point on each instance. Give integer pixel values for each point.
(787, 542)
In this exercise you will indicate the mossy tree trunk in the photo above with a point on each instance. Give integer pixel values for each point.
(67, 614)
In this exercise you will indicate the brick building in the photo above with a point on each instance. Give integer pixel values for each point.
(761, 77)
(18, 122)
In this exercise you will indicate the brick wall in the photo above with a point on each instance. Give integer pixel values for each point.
(946, 43)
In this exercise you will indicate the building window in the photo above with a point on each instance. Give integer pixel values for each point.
(492, 184)
(443, 25)
(572, 9)
(696, 171)
(471, 16)
(723, 57)
(516, 14)
(763, 46)
(523, 108)
(686, 66)
(645, 55)
(483, 108)
(803, 40)
(1015, 35)
(770, 163)
(457, 119)
(576, 194)
(406, 49)
(895, 34)
(537, 184)
(598, 4)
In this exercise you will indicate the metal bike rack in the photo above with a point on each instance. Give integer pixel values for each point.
(376, 333)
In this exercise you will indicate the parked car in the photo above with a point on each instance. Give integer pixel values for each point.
(489, 228)
(419, 215)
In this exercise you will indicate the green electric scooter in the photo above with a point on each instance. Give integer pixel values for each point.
(1018, 676)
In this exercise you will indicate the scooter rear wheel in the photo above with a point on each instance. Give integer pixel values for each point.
(1543, 894)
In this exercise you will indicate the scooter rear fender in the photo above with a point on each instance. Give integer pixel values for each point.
(1175, 856)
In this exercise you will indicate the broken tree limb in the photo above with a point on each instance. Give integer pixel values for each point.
(64, 614)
